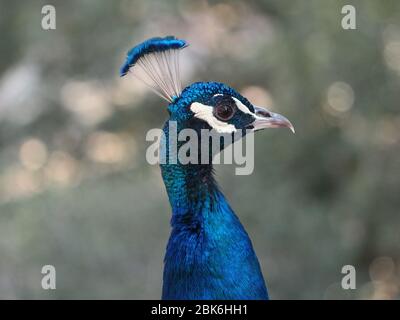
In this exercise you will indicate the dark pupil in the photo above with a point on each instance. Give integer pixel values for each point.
(224, 112)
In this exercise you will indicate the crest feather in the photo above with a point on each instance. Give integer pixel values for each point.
(159, 59)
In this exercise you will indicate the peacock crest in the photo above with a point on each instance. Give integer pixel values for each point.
(159, 60)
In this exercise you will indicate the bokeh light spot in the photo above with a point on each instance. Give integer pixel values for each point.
(340, 98)
(106, 147)
(33, 154)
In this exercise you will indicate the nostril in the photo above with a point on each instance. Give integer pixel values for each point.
(263, 113)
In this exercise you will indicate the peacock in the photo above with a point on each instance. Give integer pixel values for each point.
(209, 254)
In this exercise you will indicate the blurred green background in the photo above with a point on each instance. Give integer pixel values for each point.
(76, 191)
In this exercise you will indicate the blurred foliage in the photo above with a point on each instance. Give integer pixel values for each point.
(76, 191)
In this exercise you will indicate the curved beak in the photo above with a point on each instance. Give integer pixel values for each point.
(267, 119)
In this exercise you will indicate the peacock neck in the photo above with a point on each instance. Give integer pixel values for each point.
(191, 188)
(209, 254)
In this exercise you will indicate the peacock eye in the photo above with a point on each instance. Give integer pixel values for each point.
(224, 112)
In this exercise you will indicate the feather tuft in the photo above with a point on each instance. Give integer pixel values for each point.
(159, 59)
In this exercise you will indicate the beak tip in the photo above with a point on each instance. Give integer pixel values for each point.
(291, 127)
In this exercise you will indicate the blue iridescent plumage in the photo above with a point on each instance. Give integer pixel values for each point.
(209, 254)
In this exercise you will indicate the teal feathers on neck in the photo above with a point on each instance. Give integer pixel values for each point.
(209, 254)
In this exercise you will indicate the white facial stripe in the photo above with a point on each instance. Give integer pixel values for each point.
(242, 107)
(205, 112)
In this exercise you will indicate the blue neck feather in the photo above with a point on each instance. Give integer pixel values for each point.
(209, 254)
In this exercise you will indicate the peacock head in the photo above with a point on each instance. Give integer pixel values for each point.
(202, 105)
(216, 106)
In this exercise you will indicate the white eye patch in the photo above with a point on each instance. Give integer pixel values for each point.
(242, 107)
(205, 113)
